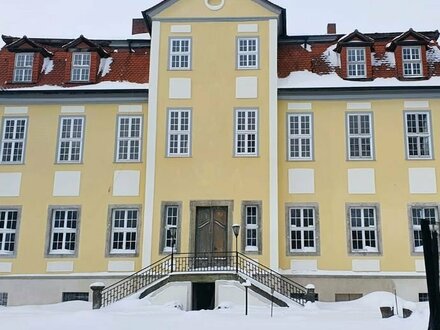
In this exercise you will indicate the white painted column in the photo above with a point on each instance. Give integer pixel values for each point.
(273, 143)
(151, 145)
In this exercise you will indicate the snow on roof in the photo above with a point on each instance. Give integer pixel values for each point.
(105, 85)
(307, 79)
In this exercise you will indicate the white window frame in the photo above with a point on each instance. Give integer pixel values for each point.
(300, 136)
(80, 67)
(302, 228)
(179, 133)
(125, 230)
(179, 59)
(363, 230)
(129, 141)
(360, 134)
(412, 65)
(70, 142)
(248, 55)
(356, 62)
(252, 225)
(13, 136)
(64, 231)
(246, 133)
(23, 67)
(418, 135)
(426, 212)
(12, 232)
(171, 220)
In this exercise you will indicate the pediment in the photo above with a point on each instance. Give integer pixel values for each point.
(27, 45)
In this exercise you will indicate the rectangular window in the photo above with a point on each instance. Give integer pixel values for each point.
(23, 67)
(417, 215)
(13, 140)
(360, 136)
(418, 135)
(64, 231)
(247, 53)
(302, 229)
(246, 133)
(251, 230)
(80, 67)
(363, 229)
(356, 64)
(180, 54)
(171, 214)
(70, 139)
(300, 133)
(423, 296)
(3, 299)
(8, 231)
(179, 132)
(412, 61)
(129, 139)
(71, 296)
(124, 231)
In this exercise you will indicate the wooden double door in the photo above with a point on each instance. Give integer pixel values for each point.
(211, 229)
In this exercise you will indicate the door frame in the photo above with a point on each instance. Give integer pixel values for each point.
(193, 208)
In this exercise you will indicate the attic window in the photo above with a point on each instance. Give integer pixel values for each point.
(80, 67)
(356, 62)
(23, 67)
(412, 61)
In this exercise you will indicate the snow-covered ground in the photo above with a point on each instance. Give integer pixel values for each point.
(362, 314)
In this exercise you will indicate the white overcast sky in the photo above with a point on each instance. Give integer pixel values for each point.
(111, 19)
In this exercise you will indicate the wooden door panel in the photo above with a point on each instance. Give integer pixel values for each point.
(203, 229)
(220, 220)
(211, 229)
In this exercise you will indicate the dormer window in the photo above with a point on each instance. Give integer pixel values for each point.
(412, 61)
(23, 67)
(356, 64)
(80, 67)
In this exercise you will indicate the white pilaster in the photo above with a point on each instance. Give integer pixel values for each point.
(151, 145)
(273, 143)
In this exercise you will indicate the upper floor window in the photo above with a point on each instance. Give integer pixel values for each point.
(412, 61)
(246, 133)
(418, 135)
(8, 230)
(356, 64)
(302, 229)
(13, 140)
(124, 231)
(179, 132)
(363, 229)
(129, 138)
(70, 139)
(64, 228)
(23, 67)
(418, 213)
(360, 136)
(80, 67)
(180, 54)
(300, 146)
(247, 53)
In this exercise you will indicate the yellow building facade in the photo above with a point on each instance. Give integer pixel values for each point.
(329, 183)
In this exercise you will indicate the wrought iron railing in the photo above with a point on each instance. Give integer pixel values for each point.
(234, 262)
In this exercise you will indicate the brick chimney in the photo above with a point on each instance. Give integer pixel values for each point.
(331, 28)
(138, 26)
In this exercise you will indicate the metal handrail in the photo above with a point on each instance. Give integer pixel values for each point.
(204, 262)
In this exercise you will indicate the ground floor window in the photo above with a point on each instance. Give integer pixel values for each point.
(124, 230)
(423, 296)
(363, 232)
(70, 296)
(302, 225)
(3, 298)
(417, 214)
(251, 222)
(347, 296)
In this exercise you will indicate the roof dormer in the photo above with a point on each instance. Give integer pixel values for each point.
(410, 51)
(26, 60)
(355, 49)
(83, 60)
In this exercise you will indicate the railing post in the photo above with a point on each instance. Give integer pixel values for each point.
(172, 260)
(97, 294)
(236, 261)
(310, 294)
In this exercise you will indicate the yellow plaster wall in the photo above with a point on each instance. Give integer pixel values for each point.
(97, 170)
(331, 182)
